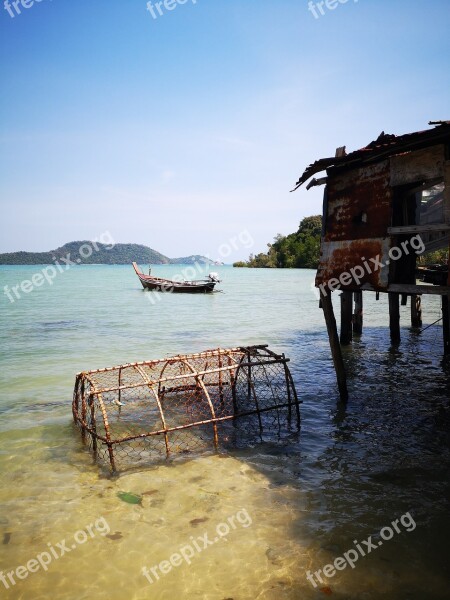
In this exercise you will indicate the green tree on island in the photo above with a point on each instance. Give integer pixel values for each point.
(297, 250)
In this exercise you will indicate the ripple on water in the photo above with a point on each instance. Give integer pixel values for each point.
(350, 471)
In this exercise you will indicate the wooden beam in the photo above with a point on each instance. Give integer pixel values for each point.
(447, 207)
(419, 228)
(314, 182)
(418, 165)
(437, 244)
(448, 278)
(447, 192)
(327, 306)
(358, 315)
(394, 317)
(402, 288)
(446, 323)
(416, 310)
(405, 288)
(346, 318)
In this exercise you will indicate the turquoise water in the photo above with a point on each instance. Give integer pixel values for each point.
(350, 472)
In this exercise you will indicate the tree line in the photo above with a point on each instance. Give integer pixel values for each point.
(299, 250)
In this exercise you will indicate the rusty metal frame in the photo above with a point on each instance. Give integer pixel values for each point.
(89, 396)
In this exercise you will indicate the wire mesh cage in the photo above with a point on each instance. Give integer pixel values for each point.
(181, 404)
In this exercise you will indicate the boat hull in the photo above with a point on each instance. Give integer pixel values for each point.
(158, 284)
(175, 287)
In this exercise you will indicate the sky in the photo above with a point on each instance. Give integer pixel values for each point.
(186, 132)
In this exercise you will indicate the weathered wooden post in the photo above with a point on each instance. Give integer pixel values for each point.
(416, 310)
(358, 315)
(327, 306)
(394, 317)
(346, 318)
(446, 323)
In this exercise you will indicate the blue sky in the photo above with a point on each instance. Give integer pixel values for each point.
(181, 132)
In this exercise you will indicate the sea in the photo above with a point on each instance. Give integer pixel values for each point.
(265, 520)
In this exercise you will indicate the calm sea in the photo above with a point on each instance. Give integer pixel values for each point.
(350, 472)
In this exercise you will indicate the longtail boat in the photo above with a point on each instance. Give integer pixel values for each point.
(159, 284)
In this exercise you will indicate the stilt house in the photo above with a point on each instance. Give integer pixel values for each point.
(384, 205)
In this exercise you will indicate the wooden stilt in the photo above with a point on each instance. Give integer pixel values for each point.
(336, 353)
(446, 323)
(358, 316)
(394, 317)
(346, 318)
(404, 299)
(416, 310)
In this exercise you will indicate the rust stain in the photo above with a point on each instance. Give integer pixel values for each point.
(359, 203)
(341, 257)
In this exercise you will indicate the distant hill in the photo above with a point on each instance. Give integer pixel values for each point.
(191, 260)
(88, 253)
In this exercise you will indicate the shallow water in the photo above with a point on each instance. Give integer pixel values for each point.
(350, 472)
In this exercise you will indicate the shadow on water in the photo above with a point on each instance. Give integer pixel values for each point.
(358, 467)
(364, 464)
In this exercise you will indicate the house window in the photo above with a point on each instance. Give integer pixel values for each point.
(417, 209)
(430, 205)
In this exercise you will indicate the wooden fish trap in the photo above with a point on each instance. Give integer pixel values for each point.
(145, 410)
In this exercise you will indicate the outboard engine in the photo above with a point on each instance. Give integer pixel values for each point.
(214, 277)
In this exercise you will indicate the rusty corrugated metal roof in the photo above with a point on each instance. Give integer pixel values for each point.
(385, 145)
